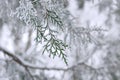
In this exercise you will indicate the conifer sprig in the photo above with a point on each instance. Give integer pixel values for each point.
(46, 34)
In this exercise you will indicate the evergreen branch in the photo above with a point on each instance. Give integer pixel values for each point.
(56, 47)
(27, 13)
(54, 18)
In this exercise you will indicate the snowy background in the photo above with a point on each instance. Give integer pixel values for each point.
(96, 60)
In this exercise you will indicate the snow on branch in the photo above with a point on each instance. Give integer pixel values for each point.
(41, 23)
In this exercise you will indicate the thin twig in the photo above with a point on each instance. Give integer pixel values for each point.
(29, 73)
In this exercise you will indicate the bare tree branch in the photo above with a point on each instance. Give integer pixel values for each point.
(26, 64)
(29, 73)
(32, 66)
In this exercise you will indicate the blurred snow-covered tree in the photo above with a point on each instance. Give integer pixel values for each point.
(31, 27)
